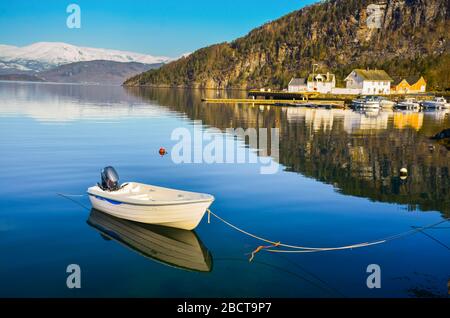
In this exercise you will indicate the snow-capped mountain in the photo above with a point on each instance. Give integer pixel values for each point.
(46, 55)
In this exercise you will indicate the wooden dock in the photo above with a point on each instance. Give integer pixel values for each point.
(282, 94)
(277, 102)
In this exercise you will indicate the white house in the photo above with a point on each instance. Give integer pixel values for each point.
(369, 82)
(297, 85)
(321, 83)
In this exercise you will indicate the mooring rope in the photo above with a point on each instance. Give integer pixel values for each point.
(260, 248)
(70, 196)
(307, 249)
(291, 248)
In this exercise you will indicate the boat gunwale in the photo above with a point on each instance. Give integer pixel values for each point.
(150, 204)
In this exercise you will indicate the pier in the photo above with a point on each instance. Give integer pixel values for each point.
(269, 94)
(282, 98)
(277, 102)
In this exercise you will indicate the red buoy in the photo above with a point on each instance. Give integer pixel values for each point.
(162, 151)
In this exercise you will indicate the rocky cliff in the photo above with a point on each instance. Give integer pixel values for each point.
(404, 37)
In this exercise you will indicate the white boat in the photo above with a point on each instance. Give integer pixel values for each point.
(436, 103)
(174, 247)
(386, 103)
(367, 102)
(147, 203)
(408, 103)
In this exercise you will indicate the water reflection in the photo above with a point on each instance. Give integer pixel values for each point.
(360, 153)
(61, 103)
(174, 247)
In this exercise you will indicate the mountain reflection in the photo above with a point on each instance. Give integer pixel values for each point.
(359, 153)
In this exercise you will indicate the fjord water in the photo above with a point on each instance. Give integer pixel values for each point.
(338, 184)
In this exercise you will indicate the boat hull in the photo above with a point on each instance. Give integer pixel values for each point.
(366, 104)
(387, 104)
(184, 216)
(431, 105)
(407, 106)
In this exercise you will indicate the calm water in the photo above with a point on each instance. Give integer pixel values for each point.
(338, 185)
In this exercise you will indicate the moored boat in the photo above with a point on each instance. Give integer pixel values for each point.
(367, 102)
(408, 103)
(436, 103)
(147, 203)
(386, 103)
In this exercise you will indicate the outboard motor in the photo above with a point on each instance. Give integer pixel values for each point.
(110, 179)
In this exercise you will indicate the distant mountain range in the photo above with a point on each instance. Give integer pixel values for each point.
(90, 72)
(46, 55)
(62, 62)
(96, 72)
(410, 38)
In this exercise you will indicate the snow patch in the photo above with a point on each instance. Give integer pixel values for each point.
(58, 53)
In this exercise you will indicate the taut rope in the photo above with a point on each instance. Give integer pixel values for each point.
(308, 249)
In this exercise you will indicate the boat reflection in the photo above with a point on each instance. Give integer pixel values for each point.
(173, 247)
(438, 115)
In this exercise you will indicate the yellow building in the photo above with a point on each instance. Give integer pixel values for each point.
(409, 85)
(419, 86)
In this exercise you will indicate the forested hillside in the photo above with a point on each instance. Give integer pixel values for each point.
(412, 38)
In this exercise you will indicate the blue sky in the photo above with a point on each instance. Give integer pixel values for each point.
(157, 27)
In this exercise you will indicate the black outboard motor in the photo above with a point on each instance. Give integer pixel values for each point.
(110, 179)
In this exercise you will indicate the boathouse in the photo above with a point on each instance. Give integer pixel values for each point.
(408, 85)
(321, 83)
(297, 85)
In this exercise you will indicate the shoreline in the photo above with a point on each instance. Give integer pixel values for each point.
(342, 97)
(429, 94)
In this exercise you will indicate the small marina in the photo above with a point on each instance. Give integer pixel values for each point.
(278, 102)
(362, 102)
(365, 89)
